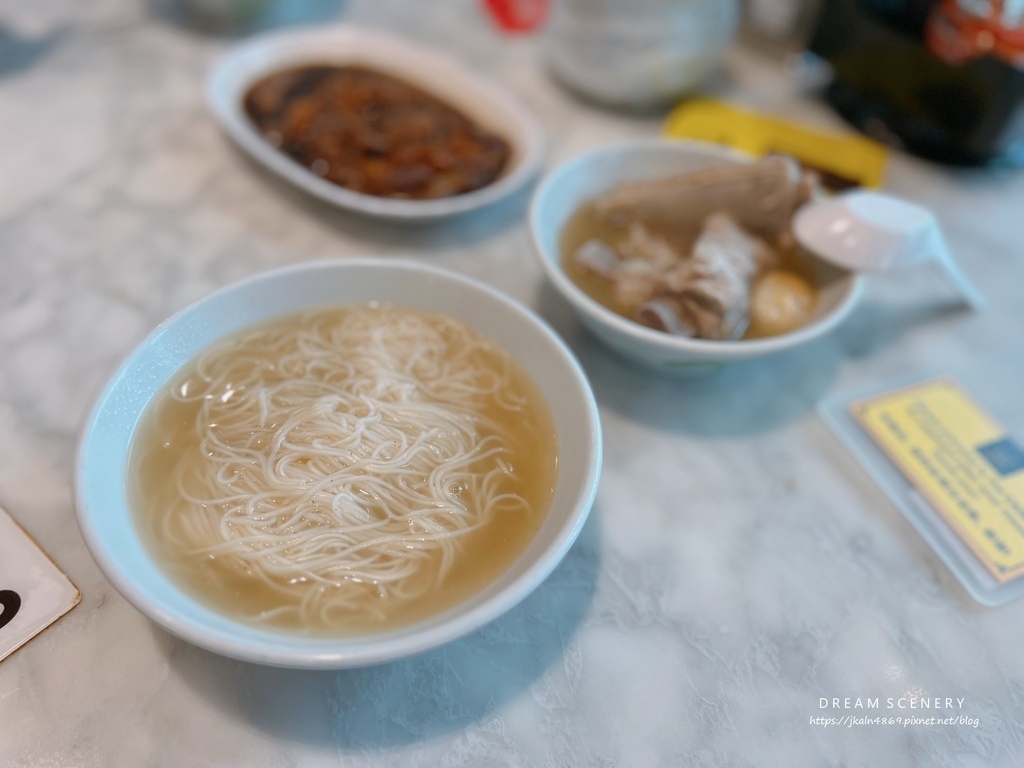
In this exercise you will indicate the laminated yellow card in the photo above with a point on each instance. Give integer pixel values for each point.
(960, 460)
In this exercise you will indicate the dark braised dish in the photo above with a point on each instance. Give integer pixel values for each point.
(372, 133)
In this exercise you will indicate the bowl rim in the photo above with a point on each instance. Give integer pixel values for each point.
(283, 649)
(436, 72)
(706, 349)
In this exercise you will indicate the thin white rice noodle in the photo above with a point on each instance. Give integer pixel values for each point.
(345, 456)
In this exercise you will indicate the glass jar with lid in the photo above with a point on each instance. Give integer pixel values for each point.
(637, 53)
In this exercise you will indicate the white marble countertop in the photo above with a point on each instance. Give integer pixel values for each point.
(737, 566)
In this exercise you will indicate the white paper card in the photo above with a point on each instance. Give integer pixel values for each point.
(33, 591)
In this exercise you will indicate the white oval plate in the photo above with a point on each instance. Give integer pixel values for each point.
(434, 72)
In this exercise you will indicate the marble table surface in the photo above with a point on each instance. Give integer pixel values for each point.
(737, 567)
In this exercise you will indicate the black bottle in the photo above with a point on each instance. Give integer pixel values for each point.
(893, 87)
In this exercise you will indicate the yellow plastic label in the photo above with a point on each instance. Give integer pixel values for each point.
(961, 461)
(844, 159)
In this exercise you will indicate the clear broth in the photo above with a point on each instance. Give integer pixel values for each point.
(585, 224)
(168, 436)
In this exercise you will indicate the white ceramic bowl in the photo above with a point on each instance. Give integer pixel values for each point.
(582, 178)
(107, 523)
(437, 73)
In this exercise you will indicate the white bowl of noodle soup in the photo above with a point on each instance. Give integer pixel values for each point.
(106, 502)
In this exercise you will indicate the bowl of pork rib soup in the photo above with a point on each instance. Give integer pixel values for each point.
(680, 255)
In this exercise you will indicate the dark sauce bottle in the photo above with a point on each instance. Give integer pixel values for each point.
(893, 82)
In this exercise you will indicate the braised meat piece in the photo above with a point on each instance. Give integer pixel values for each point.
(704, 293)
(375, 134)
(710, 291)
(761, 197)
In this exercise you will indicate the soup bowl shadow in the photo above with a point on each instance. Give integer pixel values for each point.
(744, 398)
(413, 700)
(102, 477)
